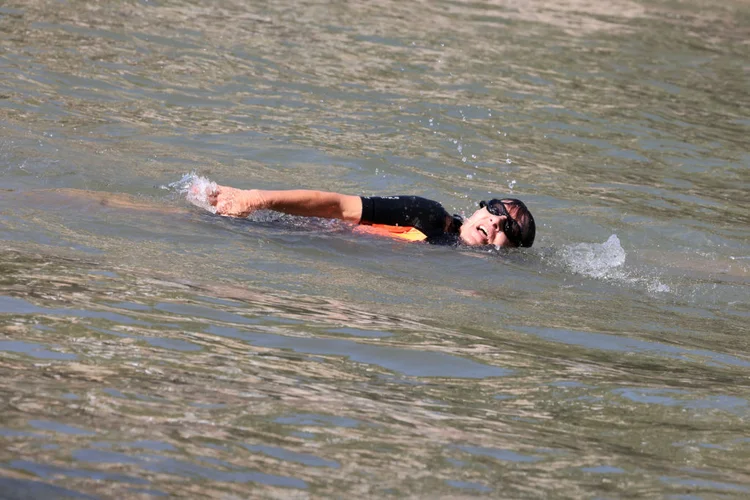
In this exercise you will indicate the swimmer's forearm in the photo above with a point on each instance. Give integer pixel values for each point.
(313, 204)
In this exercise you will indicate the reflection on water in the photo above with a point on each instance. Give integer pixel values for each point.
(149, 348)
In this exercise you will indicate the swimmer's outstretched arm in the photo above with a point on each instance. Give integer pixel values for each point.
(241, 203)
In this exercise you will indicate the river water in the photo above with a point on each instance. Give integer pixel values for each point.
(149, 348)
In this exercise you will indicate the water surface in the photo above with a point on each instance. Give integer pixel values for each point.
(149, 348)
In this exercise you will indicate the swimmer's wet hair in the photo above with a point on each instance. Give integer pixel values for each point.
(523, 216)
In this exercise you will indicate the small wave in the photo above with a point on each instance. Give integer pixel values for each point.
(196, 190)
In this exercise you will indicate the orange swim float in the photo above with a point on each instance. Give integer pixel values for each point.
(407, 233)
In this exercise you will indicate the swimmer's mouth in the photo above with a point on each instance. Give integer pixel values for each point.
(483, 231)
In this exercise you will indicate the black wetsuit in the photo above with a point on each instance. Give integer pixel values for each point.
(427, 216)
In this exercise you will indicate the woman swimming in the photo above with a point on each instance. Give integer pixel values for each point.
(500, 222)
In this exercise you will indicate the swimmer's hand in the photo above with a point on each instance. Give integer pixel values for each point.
(234, 202)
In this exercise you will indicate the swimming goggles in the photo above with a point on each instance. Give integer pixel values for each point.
(511, 228)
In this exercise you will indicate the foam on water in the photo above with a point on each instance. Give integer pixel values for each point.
(196, 190)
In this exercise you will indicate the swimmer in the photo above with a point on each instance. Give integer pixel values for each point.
(502, 222)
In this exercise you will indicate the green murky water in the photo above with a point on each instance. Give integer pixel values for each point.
(148, 348)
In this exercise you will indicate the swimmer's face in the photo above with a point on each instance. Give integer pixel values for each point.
(484, 228)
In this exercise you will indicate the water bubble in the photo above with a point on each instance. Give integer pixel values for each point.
(512, 184)
(469, 176)
(463, 159)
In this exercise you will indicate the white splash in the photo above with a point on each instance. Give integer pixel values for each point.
(593, 259)
(656, 286)
(196, 189)
(606, 261)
